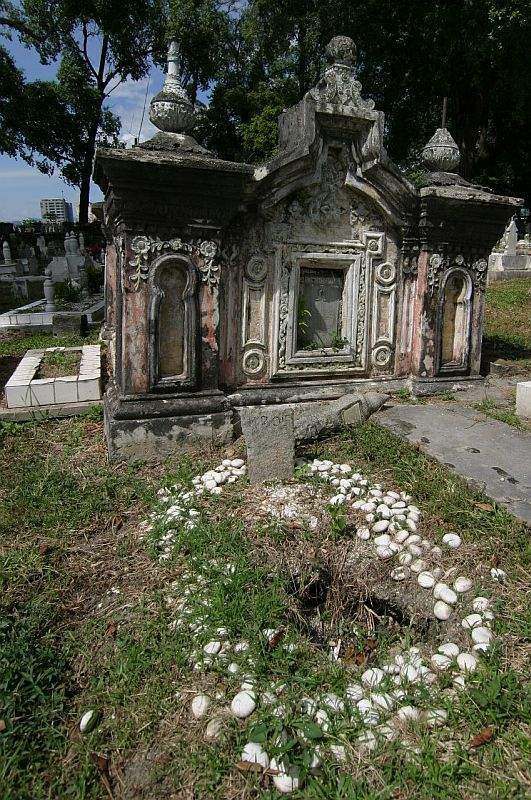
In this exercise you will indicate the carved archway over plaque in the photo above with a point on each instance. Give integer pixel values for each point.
(335, 302)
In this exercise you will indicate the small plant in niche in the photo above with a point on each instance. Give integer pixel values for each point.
(338, 342)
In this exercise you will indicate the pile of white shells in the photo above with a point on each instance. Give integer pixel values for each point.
(287, 503)
(387, 701)
(179, 507)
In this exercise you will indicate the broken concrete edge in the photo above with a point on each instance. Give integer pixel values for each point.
(40, 413)
(323, 418)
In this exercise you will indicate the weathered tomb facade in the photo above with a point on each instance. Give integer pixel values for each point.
(322, 272)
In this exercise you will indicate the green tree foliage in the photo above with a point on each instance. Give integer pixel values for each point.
(256, 58)
(411, 54)
(97, 44)
(33, 120)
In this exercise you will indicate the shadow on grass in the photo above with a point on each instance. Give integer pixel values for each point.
(509, 348)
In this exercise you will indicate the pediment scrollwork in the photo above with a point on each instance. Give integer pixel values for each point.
(204, 253)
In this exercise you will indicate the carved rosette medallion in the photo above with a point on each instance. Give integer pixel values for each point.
(145, 248)
(381, 356)
(256, 269)
(386, 273)
(253, 362)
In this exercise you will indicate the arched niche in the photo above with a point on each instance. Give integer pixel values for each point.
(173, 324)
(453, 330)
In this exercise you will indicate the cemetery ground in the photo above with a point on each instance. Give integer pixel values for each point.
(90, 610)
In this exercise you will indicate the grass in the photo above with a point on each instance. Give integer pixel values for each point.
(507, 415)
(59, 363)
(13, 345)
(85, 609)
(507, 332)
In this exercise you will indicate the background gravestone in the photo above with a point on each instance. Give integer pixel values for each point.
(269, 438)
(68, 322)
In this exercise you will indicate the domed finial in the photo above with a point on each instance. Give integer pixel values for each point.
(171, 110)
(441, 154)
(341, 50)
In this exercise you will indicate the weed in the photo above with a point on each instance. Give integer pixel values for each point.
(447, 396)
(403, 394)
(490, 409)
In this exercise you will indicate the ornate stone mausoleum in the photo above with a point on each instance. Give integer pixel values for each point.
(319, 273)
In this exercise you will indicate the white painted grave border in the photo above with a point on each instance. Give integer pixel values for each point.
(24, 390)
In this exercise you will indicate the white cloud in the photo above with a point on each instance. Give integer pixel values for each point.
(24, 173)
(127, 101)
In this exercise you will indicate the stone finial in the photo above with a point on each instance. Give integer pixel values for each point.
(171, 110)
(441, 154)
(49, 291)
(338, 86)
(341, 50)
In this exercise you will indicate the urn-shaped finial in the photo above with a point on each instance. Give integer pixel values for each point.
(441, 154)
(341, 50)
(171, 110)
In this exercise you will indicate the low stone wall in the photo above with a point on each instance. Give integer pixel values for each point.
(28, 317)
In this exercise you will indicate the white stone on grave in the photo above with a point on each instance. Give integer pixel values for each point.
(9, 267)
(523, 399)
(6, 250)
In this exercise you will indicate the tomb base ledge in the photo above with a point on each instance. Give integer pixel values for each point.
(152, 428)
(154, 439)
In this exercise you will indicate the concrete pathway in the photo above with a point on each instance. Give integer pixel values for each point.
(490, 454)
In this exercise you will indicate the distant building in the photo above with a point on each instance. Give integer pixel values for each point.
(57, 210)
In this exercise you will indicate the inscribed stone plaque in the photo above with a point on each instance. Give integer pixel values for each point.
(269, 438)
(319, 308)
(255, 317)
(172, 283)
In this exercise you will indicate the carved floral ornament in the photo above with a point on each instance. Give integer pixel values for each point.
(338, 86)
(146, 248)
(438, 265)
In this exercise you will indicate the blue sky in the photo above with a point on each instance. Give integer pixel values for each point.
(21, 186)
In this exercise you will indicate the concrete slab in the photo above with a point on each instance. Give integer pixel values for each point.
(489, 454)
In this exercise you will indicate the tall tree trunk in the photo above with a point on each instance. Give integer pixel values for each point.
(86, 172)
